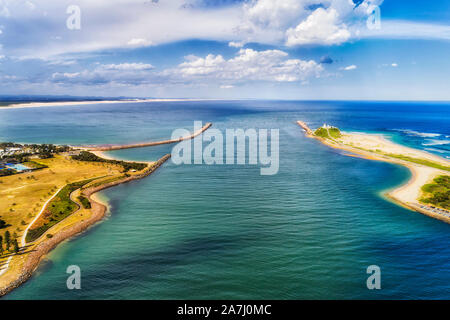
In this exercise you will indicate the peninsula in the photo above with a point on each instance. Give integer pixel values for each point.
(48, 195)
(428, 190)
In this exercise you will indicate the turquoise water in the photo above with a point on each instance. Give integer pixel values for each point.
(210, 232)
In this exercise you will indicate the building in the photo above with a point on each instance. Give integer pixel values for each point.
(326, 126)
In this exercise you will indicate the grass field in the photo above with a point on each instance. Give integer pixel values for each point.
(331, 133)
(84, 202)
(424, 162)
(23, 195)
(438, 192)
(58, 209)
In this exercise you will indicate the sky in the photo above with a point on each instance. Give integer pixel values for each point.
(227, 49)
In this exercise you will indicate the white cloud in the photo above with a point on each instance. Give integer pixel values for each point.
(30, 5)
(235, 44)
(246, 66)
(291, 22)
(321, 27)
(348, 68)
(4, 11)
(396, 29)
(66, 75)
(139, 42)
(393, 65)
(127, 66)
(62, 62)
(131, 74)
(108, 25)
(269, 65)
(270, 13)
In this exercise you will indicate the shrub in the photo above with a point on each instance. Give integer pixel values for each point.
(127, 166)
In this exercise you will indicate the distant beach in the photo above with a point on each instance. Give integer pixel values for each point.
(77, 103)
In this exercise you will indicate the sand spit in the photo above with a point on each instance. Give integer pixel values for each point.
(408, 195)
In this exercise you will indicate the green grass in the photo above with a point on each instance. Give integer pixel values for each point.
(127, 166)
(35, 165)
(335, 133)
(84, 202)
(58, 209)
(101, 182)
(332, 133)
(7, 172)
(322, 132)
(438, 192)
(424, 162)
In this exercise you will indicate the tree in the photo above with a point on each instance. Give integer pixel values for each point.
(16, 246)
(7, 239)
(1, 245)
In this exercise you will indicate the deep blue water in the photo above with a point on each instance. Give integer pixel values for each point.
(225, 231)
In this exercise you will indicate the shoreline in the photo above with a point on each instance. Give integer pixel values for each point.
(99, 210)
(102, 154)
(77, 103)
(406, 195)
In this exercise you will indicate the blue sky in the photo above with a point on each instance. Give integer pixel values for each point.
(262, 49)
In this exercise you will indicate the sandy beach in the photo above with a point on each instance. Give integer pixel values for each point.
(103, 155)
(80, 103)
(377, 147)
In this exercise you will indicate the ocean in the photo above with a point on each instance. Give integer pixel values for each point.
(227, 232)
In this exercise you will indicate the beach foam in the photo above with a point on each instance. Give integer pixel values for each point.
(434, 142)
(418, 134)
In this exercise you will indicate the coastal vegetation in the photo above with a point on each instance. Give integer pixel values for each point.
(6, 172)
(424, 162)
(328, 132)
(10, 151)
(22, 197)
(84, 202)
(62, 205)
(127, 166)
(435, 198)
(57, 210)
(10, 243)
(35, 165)
(3, 224)
(107, 180)
(438, 192)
